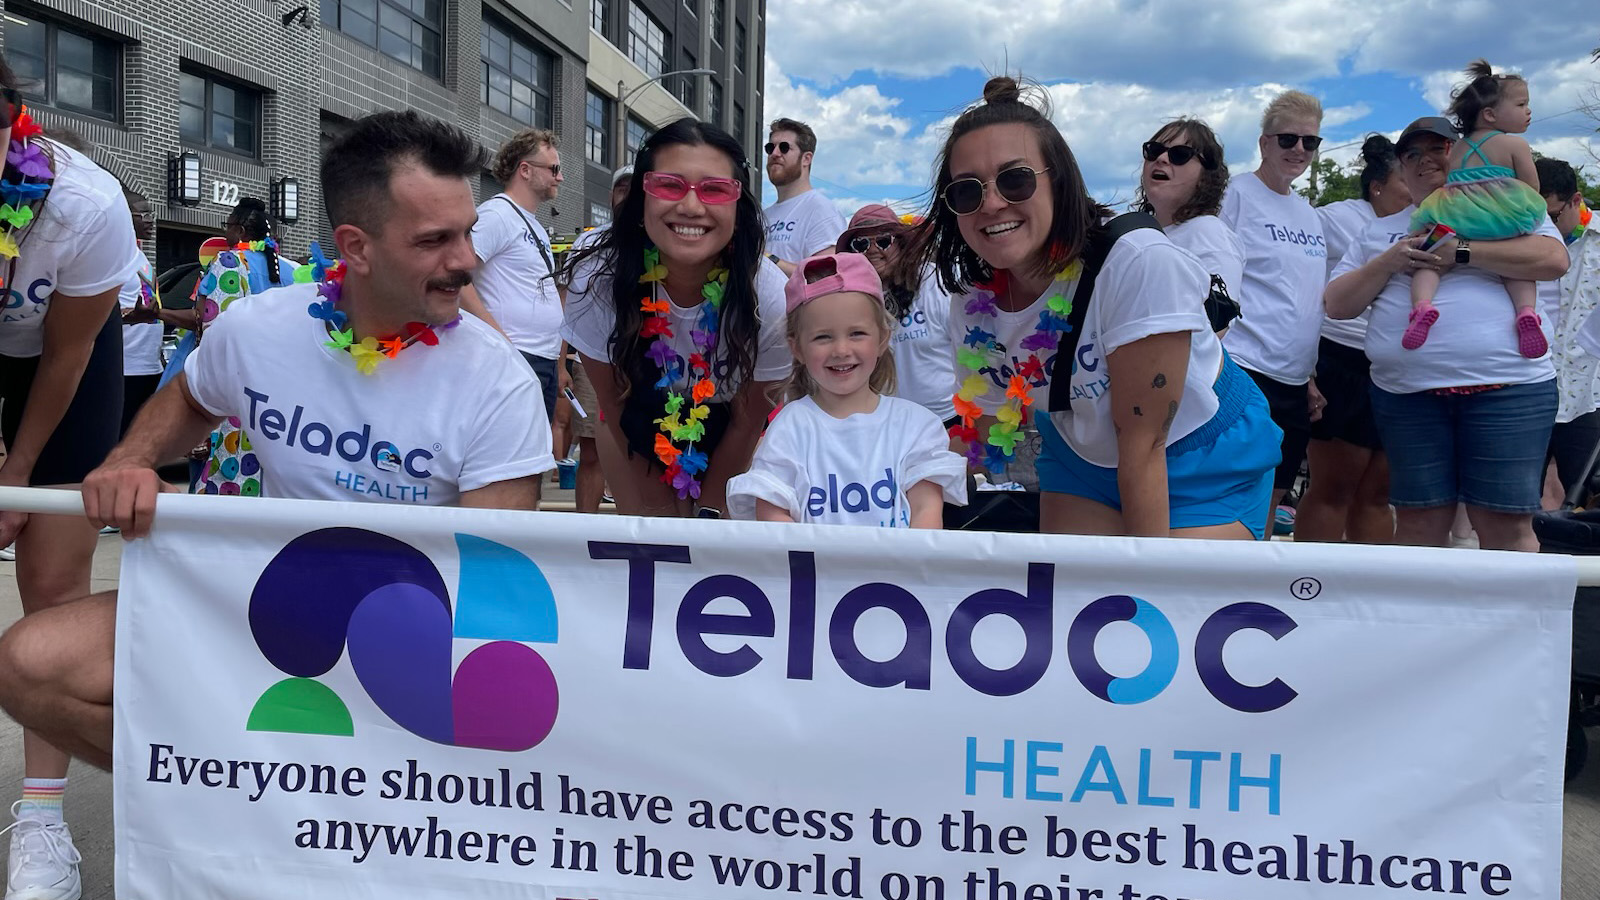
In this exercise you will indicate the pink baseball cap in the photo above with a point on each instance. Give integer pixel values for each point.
(831, 273)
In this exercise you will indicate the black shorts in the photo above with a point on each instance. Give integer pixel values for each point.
(1344, 376)
(545, 369)
(1291, 412)
(89, 429)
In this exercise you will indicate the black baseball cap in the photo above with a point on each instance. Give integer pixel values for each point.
(1438, 125)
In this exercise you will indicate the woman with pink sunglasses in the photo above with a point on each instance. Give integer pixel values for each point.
(679, 321)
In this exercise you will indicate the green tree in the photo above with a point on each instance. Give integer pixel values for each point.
(1330, 183)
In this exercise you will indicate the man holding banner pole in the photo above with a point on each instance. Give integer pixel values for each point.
(366, 386)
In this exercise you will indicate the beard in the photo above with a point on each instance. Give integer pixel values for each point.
(783, 175)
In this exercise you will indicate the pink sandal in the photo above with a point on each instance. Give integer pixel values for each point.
(1530, 336)
(1422, 319)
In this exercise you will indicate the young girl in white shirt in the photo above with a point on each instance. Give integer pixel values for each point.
(842, 452)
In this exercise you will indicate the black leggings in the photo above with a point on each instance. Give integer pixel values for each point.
(89, 428)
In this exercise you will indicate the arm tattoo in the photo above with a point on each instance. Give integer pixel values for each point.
(1137, 411)
(1172, 413)
(1160, 381)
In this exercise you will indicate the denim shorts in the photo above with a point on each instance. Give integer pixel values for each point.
(1217, 474)
(1485, 449)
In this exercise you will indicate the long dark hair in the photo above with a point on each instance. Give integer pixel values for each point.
(252, 219)
(1378, 156)
(619, 256)
(1482, 92)
(939, 236)
(1213, 181)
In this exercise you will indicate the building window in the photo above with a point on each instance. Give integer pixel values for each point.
(739, 55)
(518, 77)
(410, 31)
(599, 214)
(599, 11)
(684, 86)
(715, 112)
(597, 127)
(635, 138)
(719, 13)
(693, 6)
(68, 69)
(647, 43)
(216, 113)
(738, 121)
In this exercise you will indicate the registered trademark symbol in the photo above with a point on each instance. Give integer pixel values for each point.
(438, 447)
(1305, 588)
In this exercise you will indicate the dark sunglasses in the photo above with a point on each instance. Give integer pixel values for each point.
(860, 243)
(10, 106)
(1178, 156)
(1309, 141)
(666, 186)
(965, 195)
(555, 168)
(782, 147)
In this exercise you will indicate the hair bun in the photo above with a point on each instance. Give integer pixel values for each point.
(1002, 89)
(1376, 147)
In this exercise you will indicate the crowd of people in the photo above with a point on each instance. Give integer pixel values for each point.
(1014, 356)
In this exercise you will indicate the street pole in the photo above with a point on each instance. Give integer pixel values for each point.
(622, 104)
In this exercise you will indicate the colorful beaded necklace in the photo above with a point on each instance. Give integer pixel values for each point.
(22, 196)
(680, 428)
(369, 351)
(982, 353)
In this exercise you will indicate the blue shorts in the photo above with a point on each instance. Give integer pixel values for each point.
(1485, 449)
(1217, 474)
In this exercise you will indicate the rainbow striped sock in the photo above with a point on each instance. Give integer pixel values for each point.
(41, 799)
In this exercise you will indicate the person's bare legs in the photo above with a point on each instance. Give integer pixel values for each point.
(1371, 521)
(591, 478)
(55, 677)
(1503, 530)
(1428, 527)
(1336, 470)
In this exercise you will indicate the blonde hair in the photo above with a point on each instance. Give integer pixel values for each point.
(1290, 105)
(523, 144)
(799, 383)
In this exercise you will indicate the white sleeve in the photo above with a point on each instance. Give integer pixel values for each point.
(825, 225)
(774, 362)
(512, 434)
(774, 475)
(928, 457)
(589, 316)
(91, 270)
(214, 366)
(1219, 250)
(1231, 209)
(1151, 289)
(492, 232)
(1359, 254)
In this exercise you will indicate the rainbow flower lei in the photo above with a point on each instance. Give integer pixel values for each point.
(680, 428)
(369, 351)
(995, 449)
(1584, 215)
(22, 196)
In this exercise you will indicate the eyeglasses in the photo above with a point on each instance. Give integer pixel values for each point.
(1287, 141)
(1414, 154)
(666, 186)
(1178, 156)
(964, 196)
(860, 243)
(146, 216)
(555, 168)
(11, 107)
(781, 146)
(1556, 213)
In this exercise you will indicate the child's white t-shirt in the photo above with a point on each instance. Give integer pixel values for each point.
(925, 370)
(591, 316)
(426, 426)
(1285, 271)
(1147, 287)
(850, 471)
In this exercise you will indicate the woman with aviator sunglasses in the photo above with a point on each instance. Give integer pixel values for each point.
(924, 369)
(1181, 183)
(1285, 270)
(65, 253)
(680, 324)
(1164, 436)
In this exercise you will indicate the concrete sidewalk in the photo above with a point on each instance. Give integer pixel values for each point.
(89, 793)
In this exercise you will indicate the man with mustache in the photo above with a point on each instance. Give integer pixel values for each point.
(370, 386)
(803, 221)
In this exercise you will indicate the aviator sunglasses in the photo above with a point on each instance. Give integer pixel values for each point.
(1287, 141)
(861, 243)
(666, 186)
(1178, 156)
(964, 196)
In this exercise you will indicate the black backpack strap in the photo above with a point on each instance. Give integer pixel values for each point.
(1101, 239)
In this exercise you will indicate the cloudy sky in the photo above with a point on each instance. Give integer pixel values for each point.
(881, 80)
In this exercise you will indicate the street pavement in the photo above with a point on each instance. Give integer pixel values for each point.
(89, 790)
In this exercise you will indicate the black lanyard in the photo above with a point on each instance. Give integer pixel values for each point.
(549, 263)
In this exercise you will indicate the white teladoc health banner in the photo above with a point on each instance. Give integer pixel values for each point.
(342, 700)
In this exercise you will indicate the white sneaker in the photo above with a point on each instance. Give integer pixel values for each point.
(43, 864)
(8, 554)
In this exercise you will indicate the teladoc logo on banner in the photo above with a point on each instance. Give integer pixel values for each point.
(340, 588)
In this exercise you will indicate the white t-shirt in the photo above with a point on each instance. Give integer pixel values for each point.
(1343, 224)
(75, 246)
(850, 471)
(426, 426)
(1146, 287)
(590, 318)
(802, 225)
(924, 370)
(515, 278)
(1214, 244)
(1474, 342)
(1285, 271)
(141, 344)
